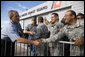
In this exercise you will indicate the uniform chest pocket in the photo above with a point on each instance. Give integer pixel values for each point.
(71, 34)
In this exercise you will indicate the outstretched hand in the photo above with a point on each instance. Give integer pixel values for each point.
(38, 42)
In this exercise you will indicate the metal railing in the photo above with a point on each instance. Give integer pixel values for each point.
(66, 42)
(25, 49)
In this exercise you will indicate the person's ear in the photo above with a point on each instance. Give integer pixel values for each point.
(73, 16)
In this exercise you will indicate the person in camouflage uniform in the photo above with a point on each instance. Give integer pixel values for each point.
(80, 18)
(73, 31)
(54, 28)
(41, 32)
(29, 29)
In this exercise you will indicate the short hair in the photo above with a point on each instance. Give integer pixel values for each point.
(56, 14)
(10, 13)
(81, 14)
(40, 19)
(72, 12)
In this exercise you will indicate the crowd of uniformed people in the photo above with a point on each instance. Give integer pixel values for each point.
(43, 36)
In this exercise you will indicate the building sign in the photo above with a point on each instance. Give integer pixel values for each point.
(36, 10)
(46, 7)
(29, 13)
(56, 4)
(42, 8)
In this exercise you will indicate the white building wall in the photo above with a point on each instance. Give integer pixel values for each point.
(77, 6)
(27, 21)
(21, 22)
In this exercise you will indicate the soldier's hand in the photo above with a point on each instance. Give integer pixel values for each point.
(60, 30)
(31, 33)
(25, 31)
(40, 41)
(79, 42)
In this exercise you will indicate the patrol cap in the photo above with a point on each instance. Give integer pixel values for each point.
(33, 18)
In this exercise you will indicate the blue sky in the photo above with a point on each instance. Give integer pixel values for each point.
(20, 6)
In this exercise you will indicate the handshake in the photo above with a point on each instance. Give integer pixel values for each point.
(35, 42)
(38, 42)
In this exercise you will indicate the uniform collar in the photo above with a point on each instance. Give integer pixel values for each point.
(41, 23)
(75, 26)
(34, 25)
(54, 24)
